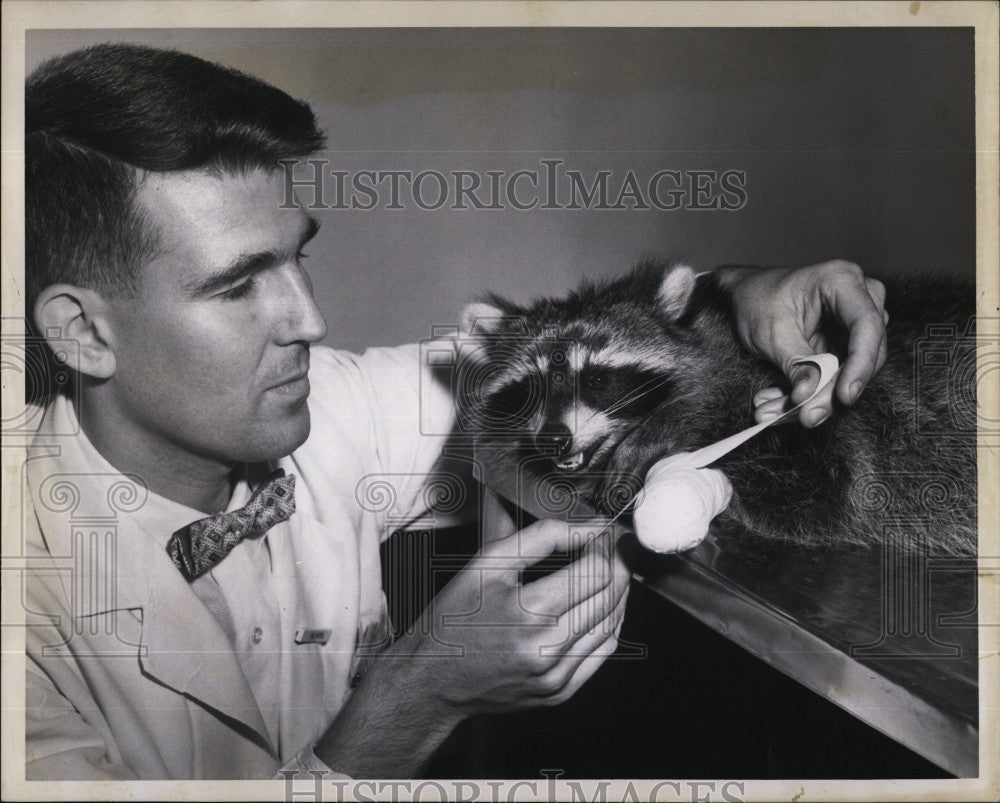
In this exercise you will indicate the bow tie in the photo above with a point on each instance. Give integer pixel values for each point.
(199, 546)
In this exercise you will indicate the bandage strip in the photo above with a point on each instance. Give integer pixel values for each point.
(828, 366)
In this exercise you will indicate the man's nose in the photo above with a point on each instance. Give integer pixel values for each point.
(555, 436)
(302, 319)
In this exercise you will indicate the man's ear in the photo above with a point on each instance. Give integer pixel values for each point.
(67, 312)
(675, 291)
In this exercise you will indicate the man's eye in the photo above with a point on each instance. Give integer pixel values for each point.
(302, 255)
(241, 290)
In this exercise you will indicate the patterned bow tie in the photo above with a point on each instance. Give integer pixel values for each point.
(199, 546)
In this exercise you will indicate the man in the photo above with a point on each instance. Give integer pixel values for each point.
(166, 641)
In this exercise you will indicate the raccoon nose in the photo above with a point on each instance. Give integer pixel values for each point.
(557, 436)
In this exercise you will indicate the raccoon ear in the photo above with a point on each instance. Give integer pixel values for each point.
(675, 291)
(480, 318)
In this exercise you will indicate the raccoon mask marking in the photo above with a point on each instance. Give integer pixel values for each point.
(573, 378)
(616, 375)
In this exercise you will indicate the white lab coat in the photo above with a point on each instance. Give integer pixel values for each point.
(128, 673)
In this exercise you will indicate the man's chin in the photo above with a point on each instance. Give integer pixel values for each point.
(276, 439)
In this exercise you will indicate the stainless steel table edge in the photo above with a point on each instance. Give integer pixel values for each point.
(946, 740)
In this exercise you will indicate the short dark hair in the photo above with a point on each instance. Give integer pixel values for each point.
(96, 117)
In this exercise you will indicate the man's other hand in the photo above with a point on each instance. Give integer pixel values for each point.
(779, 316)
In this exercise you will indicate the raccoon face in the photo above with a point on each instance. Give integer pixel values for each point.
(571, 379)
(588, 408)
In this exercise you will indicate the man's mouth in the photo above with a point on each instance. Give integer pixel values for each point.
(294, 386)
(293, 381)
(296, 377)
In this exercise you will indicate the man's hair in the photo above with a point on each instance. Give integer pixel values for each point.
(96, 117)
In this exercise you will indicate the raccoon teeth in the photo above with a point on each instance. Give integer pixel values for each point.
(571, 463)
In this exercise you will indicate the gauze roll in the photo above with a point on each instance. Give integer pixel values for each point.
(677, 504)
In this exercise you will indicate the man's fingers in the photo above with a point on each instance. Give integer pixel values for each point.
(769, 410)
(587, 668)
(805, 379)
(818, 343)
(570, 586)
(598, 568)
(866, 345)
(789, 344)
(580, 665)
(858, 303)
(591, 611)
(767, 395)
(593, 645)
(877, 291)
(591, 585)
(566, 678)
(597, 617)
(769, 403)
(525, 547)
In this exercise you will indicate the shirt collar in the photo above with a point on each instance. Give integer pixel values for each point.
(73, 486)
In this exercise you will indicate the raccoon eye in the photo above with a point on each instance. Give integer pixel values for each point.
(594, 381)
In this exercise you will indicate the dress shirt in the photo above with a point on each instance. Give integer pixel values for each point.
(134, 673)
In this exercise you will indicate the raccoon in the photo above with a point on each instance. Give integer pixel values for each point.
(608, 380)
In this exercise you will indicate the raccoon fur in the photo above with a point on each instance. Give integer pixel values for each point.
(619, 374)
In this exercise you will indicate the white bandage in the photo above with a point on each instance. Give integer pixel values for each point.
(675, 508)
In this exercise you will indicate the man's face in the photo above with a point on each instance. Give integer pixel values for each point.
(213, 352)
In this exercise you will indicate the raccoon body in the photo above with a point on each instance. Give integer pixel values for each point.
(617, 375)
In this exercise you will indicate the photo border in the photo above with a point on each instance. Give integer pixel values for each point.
(22, 15)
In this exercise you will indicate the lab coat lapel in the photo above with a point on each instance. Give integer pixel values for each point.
(73, 490)
(184, 648)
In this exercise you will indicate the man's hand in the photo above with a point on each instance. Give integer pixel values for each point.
(779, 313)
(489, 642)
(496, 643)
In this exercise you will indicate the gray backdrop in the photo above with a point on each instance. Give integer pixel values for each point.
(855, 143)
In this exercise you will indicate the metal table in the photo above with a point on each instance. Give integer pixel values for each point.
(889, 635)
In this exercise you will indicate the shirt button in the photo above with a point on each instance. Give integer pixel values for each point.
(256, 635)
